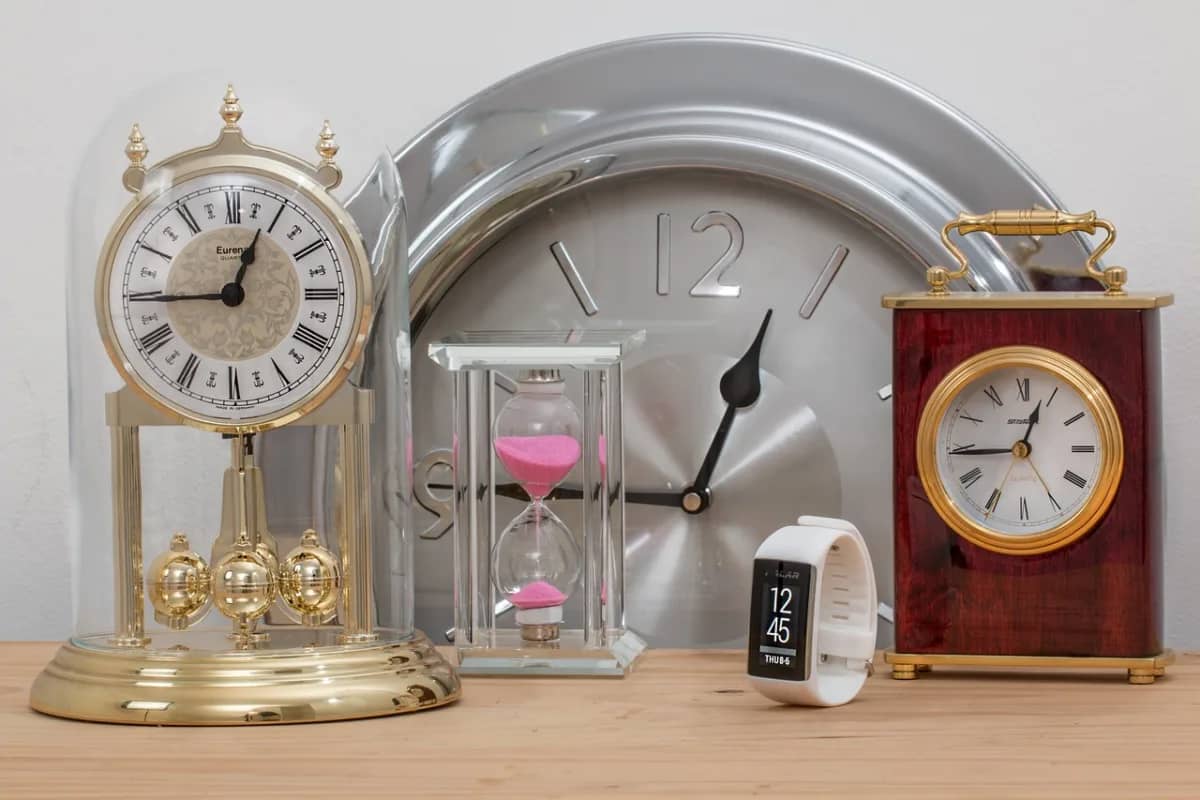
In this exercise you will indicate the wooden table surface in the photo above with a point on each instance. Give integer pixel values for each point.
(685, 723)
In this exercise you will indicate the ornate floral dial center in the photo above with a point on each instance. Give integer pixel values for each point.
(264, 317)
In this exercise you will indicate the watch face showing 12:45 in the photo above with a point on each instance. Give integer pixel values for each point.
(779, 619)
(232, 299)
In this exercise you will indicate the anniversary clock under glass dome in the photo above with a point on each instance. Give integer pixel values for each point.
(244, 551)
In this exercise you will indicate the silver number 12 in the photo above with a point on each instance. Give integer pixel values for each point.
(709, 284)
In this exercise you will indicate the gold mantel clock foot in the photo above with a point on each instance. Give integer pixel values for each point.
(1142, 677)
(1138, 669)
(192, 686)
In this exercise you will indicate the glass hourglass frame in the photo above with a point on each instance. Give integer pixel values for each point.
(593, 639)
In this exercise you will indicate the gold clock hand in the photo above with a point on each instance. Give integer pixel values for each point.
(1000, 489)
(1042, 481)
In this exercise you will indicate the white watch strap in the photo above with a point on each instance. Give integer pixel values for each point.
(844, 619)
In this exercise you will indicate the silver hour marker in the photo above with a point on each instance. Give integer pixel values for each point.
(571, 272)
(664, 254)
(884, 392)
(828, 273)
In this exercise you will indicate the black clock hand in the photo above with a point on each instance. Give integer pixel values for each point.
(740, 388)
(1033, 419)
(154, 297)
(981, 451)
(247, 258)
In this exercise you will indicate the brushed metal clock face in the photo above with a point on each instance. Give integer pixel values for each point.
(696, 258)
(661, 183)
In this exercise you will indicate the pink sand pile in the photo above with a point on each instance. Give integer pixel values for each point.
(538, 594)
(539, 463)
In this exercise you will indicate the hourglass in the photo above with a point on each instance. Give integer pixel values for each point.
(537, 596)
(535, 562)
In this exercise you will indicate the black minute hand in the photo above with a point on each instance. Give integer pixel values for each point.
(740, 388)
(154, 297)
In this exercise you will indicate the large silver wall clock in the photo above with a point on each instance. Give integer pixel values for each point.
(686, 185)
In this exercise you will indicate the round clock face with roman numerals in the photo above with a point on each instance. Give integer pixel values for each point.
(233, 299)
(1022, 447)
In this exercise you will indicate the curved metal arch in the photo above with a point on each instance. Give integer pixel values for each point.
(887, 151)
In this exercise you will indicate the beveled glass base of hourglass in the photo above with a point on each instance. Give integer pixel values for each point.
(505, 652)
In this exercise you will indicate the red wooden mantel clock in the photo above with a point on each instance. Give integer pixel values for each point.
(1028, 483)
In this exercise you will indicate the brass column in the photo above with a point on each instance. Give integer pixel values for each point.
(354, 536)
(128, 612)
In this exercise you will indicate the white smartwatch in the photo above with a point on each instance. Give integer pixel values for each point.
(812, 613)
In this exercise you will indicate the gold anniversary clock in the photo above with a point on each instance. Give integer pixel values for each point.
(234, 295)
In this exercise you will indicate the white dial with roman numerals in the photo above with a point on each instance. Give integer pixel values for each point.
(1020, 449)
(233, 298)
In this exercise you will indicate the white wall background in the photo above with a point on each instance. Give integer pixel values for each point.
(1097, 97)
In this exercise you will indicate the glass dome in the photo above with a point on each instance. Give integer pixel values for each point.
(236, 361)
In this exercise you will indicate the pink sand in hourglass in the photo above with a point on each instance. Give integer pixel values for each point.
(539, 463)
(538, 594)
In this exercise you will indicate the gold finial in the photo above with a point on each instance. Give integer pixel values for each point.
(231, 109)
(939, 280)
(329, 173)
(1114, 279)
(327, 148)
(136, 151)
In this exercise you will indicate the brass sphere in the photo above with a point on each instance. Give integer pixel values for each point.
(310, 580)
(178, 585)
(244, 585)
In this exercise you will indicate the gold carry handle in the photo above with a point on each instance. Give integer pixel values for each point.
(1029, 222)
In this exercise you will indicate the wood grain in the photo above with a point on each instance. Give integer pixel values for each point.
(1101, 595)
(685, 724)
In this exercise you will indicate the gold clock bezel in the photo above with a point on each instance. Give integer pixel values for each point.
(249, 160)
(1098, 403)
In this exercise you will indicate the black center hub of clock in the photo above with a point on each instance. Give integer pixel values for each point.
(232, 295)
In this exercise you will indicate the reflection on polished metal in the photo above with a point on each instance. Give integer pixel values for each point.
(809, 164)
(1143, 670)
(305, 683)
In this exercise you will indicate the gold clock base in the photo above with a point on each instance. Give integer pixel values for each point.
(1138, 670)
(188, 687)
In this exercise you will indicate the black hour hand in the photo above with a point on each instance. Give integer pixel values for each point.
(740, 388)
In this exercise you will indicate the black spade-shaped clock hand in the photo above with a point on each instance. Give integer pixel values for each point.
(1033, 420)
(740, 388)
(232, 293)
(247, 258)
